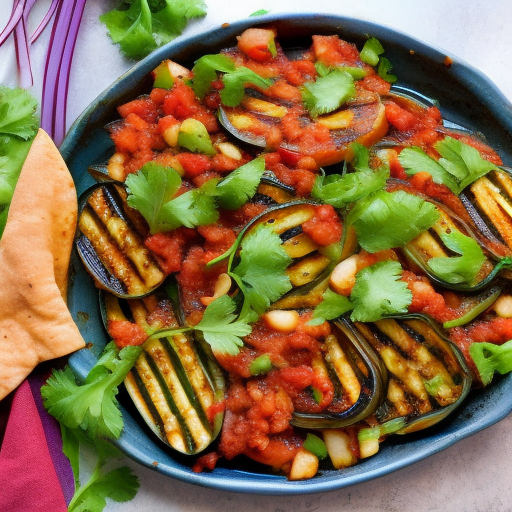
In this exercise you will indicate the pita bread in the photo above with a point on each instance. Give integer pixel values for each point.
(35, 323)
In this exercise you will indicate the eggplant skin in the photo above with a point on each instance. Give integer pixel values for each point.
(175, 384)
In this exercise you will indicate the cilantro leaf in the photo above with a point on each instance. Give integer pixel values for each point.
(234, 85)
(378, 292)
(170, 21)
(328, 92)
(332, 306)
(459, 166)
(17, 113)
(237, 188)
(119, 484)
(140, 28)
(261, 12)
(262, 269)
(221, 327)
(458, 269)
(415, 160)
(340, 190)
(386, 220)
(205, 72)
(91, 406)
(371, 51)
(152, 190)
(462, 161)
(490, 358)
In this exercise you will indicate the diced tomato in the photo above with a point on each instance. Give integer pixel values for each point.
(257, 43)
(400, 118)
(325, 227)
(142, 107)
(207, 461)
(373, 82)
(333, 51)
(169, 247)
(125, 333)
(194, 164)
(166, 122)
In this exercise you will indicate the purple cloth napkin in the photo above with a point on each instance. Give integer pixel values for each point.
(35, 476)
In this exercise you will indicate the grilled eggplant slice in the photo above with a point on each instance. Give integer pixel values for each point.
(358, 375)
(428, 376)
(175, 383)
(311, 263)
(360, 120)
(430, 244)
(489, 203)
(110, 243)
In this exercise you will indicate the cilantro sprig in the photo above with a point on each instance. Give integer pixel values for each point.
(386, 220)
(119, 484)
(377, 293)
(459, 166)
(234, 79)
(92, 406)
(152, 191)
(144, 25)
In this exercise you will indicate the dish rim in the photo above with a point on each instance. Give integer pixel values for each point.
(395, 454)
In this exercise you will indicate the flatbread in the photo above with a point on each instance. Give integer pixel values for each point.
(35, 323)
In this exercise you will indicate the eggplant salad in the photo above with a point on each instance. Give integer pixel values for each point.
(295, 257)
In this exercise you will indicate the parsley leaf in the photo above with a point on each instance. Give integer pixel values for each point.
(205, 72)
(234, 85)
(152, 190)
(490, 358)
(386, 220)
(221, 327)
(139, 28)
(378, 292)
(261, 12)
(261, 272)
(237, 188)
(91, 406)
(459, 166)
(371, 51)
(328, 92)
(458, 269)
(332, 306)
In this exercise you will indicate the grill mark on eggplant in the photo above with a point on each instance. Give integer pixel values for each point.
(185, 382)
(155, 416)
(187, 436)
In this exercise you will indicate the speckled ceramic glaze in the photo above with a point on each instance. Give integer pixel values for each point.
(465, 97)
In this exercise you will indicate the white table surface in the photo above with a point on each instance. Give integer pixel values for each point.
(475, 474)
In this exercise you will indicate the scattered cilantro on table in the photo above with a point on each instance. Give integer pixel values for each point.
(140, 26)
(118, 484)
(18, 127)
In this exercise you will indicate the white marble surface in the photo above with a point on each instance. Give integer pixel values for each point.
(475, 474)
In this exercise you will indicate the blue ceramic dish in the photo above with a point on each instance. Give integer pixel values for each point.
(465, 96)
